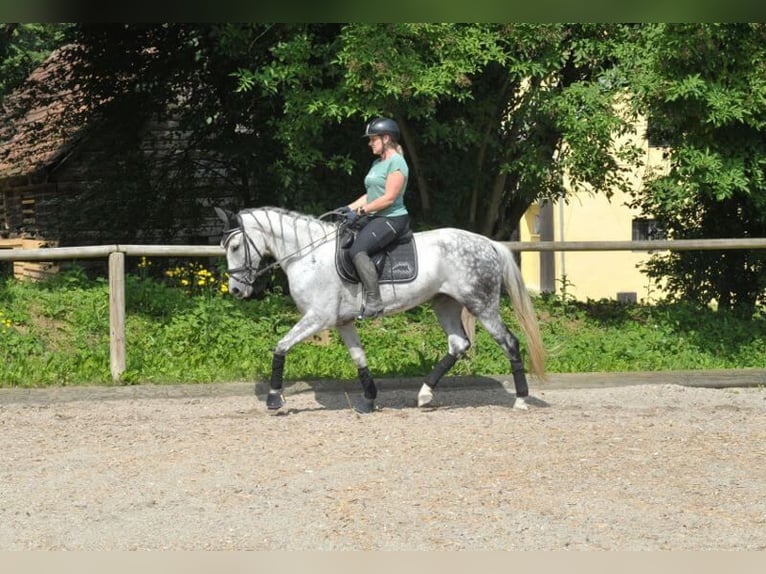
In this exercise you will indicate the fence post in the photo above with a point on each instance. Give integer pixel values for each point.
(117, 314)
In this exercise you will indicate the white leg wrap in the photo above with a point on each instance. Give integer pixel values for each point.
(520, 404)
(425, 396)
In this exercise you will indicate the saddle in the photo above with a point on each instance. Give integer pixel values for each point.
(396, 263)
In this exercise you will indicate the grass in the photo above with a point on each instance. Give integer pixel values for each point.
(57, 333)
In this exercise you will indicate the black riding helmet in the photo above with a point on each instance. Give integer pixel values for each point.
(380, 126)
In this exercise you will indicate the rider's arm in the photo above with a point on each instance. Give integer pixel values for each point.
(359, 202)
(394, 186)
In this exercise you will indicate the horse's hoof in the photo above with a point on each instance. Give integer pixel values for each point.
(275, 400)
(365, 406)
(520, 404)
(425, 396)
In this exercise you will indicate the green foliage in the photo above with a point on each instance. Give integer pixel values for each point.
(496, 114)
(494, 117)
(610, 336)
(704, 89)
(58, 334)
(51, 339)
(23, 47)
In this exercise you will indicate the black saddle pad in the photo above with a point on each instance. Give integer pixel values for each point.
(397, 263)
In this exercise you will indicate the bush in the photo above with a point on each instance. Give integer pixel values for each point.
(57, 333)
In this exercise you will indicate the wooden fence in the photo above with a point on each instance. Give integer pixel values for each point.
(116, 256)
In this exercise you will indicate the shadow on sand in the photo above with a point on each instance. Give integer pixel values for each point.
(451, 393)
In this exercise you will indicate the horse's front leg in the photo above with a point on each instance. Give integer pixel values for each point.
(308, 325)
(353, 343)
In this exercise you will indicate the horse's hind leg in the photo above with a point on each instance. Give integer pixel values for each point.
(510, 345)
(449, 313)
(353, 343)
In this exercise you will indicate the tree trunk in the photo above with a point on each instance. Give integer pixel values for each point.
(477, 176)
(492, 123)
(493, 208)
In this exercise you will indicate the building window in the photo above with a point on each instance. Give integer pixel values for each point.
(645, 229)
(657, 135)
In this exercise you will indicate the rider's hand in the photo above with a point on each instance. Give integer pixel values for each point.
(351, 216)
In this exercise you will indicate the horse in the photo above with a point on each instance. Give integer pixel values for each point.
(457, 270)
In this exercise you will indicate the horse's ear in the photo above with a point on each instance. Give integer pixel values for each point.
(226, 216)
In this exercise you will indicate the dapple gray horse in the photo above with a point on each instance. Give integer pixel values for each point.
(457, 269)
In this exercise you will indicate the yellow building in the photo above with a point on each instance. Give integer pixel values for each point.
(591, 217)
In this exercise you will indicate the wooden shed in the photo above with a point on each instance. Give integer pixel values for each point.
(76, 173)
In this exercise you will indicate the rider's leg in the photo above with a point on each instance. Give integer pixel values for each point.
(368, 275)
(373, 237)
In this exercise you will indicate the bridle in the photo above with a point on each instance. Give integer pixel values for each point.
(247, 273)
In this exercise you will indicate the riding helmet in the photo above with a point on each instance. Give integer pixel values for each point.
(380, 126)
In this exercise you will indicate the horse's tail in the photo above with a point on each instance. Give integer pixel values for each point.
(525, 313)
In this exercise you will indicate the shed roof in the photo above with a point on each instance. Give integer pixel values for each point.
(42, 120)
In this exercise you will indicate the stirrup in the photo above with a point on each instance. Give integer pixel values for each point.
(365, 314)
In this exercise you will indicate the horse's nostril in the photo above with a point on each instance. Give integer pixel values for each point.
(234, 291)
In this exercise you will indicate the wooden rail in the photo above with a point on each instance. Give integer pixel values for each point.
(658, 245)
(116, 255)
(98, 251)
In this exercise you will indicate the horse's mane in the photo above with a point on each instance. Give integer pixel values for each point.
(295, 216)
(279, 220)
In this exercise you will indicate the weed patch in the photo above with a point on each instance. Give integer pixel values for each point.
(57, 333)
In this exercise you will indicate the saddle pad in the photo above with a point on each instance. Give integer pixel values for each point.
(397, 263)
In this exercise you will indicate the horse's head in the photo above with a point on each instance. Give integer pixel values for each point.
(244, 252)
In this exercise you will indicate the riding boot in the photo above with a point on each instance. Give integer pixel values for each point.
(368, 275)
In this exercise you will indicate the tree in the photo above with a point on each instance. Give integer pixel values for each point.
(703, 87)
(133, 74)
(493, 116)
(23, 47)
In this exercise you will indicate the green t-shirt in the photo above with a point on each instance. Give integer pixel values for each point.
(375, 182)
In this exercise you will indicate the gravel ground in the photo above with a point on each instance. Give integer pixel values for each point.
(640, 467)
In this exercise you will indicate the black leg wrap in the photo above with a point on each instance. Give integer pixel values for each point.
(440, 369)
(520, 382)
(277, 371)
(370, 390)
(275, 400)
(517, 367)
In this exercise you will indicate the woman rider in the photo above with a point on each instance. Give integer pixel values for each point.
(386, 183)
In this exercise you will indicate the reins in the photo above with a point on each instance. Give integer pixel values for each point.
(251, 275)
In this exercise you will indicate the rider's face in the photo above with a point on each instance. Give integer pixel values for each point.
(376, 144)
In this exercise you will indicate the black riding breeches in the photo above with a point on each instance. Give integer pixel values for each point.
(378, 233)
